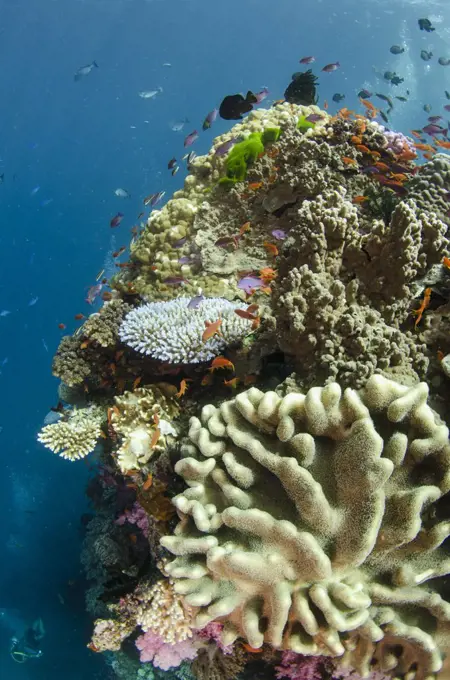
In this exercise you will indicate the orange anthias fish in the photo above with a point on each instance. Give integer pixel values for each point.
(155, 437)
(252, 650)
(348, 161)
(345, 113)
(446, 262)
(221, 362)
(267, 274)
(423, 305)
(441, 143)
(183, 388)
(245, 314)
(356, 140)
(382, 166)
(359, 199)
(231, 383)
(254, 186)
(363, 148)
(211, 329)
(423, 147)
(271, 248)
(245, 227)
(148, 482)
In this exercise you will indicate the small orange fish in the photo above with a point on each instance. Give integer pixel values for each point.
(361, 123)
(156, 419)
(183, 387)
(92, 647)
(440, 355)
(133, 538)
(423, 305)
(406, 154)
(252, 308)
(348, 161)
(252, 650)
(423, 147)
(136, 383)
(399, 177)
(231, 383)
(375, 154)
(148, 482)
(62, 326)
(113, 368)
(344, 113)
(428, 155)
(446, 262)
(382, 166)
(249, 379)
(118, 355)
(245, 314)
(84, 344)
(245, 227)
(221, 362)
(107, 296)
(254, 186)
(416, 134)
(78, 317)
(359, 199)
(363, 148)
(356, 140)
(271, 248)
(267, 274)
(267, 290)
(211, 329)
(207, 380)
(444, 145)
(155, 438)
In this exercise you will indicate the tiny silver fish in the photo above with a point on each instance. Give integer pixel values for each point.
(84, 71)
(122, 193)
(149, 94)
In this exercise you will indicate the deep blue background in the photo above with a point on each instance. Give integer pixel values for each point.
(75, 141)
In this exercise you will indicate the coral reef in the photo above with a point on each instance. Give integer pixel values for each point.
(306, 256)
(306, 522)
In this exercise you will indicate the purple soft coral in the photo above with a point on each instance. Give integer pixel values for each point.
(164, 655)
(300, 667)
(213, 631)
(137, 516)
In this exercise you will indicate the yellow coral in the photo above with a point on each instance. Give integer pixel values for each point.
(75, 437)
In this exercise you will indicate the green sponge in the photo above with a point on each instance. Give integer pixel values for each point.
(270, 135)
(241, 155)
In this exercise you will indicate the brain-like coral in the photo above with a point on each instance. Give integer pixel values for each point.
(75, 435)
(431, 186)
(172, 331)
(308, 523)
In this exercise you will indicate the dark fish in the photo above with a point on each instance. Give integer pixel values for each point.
(116, 220)
(385, 98)
(329, 68)
(175, 170)
(400, 98)
(371, 169)
(314, 117)
(443, 61)
(307, 60)
(426, 56)
(85, 71)
(447, 107)
(364, 94)
(388, 75)
(2, 178)
(224, 148)
(234, 106)
(427, 108)
(433, 129)
(156, 198)
(447, 94)
(180, 243)
(191, 138)
(171, 164)
(396, 49)
(396, 80)
(338, 97)
(175, 280)
(434, 119)
(209, 120)
(425, 25)
(302, 89)
(384, 117)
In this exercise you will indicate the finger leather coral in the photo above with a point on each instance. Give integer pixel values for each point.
(308, 523)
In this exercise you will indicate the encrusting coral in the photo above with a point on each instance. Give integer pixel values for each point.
(76, 434)
(308, 524)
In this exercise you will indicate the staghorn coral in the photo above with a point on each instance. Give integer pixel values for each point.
(172, 332)
(134, 418)
(103, 327)
(76, 434)
(308, 524)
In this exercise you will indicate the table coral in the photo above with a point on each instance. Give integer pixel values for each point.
(173, 332)
(76, 434)
(308, 523)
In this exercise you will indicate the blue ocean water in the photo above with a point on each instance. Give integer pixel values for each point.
(65, 147)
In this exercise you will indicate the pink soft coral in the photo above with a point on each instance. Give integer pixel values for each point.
(137, 516)
(300, 667)
(213, 631)
(162, 654)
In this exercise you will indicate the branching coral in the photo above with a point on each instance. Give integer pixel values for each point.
(308, 523)
(75, 435)
(172, 331)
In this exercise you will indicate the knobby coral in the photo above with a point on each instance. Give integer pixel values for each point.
(307, 523)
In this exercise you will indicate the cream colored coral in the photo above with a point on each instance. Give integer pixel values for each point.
(162, 611)
(303, 521)
(75, 437)
(134, 419)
